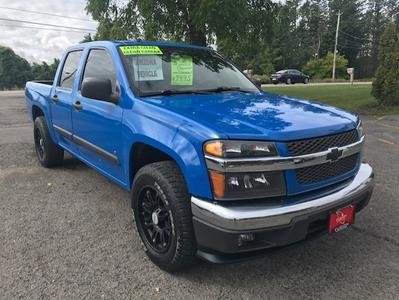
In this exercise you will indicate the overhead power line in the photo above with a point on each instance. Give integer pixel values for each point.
(355, 37)
(46, 13)
(353, 42)
(42, 28)
(46, 24)
(352, 47)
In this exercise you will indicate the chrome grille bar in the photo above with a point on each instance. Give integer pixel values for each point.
(278, 163)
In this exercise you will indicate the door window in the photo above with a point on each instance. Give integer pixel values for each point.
(70, 69)
(100, 65)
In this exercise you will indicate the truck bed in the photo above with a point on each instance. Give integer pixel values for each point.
(38, 93)
(46, 82)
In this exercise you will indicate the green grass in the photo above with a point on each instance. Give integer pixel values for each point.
(354, 98)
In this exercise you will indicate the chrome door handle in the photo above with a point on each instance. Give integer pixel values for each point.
(78, 106)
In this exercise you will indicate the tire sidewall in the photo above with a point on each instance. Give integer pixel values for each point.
(141, 181)
(41, 126)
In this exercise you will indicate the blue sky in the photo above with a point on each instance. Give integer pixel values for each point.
(38, 45)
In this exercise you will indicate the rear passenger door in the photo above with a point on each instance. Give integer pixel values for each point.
(97, 122)
(62, 97)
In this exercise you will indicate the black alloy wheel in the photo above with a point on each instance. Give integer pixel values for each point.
(155, 219)
(39, 144)
(48, 153)
(162, 213)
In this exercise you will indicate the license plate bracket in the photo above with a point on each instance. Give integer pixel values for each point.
(341, 219)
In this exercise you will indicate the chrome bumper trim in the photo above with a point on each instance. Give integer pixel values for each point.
(251, 217)
(278, 163)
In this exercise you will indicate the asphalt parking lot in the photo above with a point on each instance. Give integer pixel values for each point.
(67, 233)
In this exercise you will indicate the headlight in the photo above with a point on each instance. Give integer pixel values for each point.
(243, 185)
(239, 149)
(360, 129)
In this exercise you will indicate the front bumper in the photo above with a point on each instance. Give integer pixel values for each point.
(219, 227)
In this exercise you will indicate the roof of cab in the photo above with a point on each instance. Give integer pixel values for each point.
(137, 42)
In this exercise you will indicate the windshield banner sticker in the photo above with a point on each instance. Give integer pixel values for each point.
(147, 68)
(140, 50)
(182, 70)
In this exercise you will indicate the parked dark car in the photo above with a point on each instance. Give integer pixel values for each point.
(289, 76)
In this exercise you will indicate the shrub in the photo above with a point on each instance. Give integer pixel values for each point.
(386, 82)
(322, 68)
(262, 63)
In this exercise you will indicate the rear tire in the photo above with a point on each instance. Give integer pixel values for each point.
(162, 213)
(48, 153)
(306, 81)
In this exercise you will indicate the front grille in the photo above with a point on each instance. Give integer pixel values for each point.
(308, 146)
(325, 171)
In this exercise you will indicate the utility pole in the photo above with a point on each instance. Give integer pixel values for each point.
(336, 44)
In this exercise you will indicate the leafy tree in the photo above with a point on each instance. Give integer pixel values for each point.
(87, 38)
(262, 63)
(322, 68)
(259, 34)
(313, 15)
(286, 39)
(180, 20)
(386, 83)
(44, 71)
(14, 70)
(352, 28)
(247, 37)
(115, 22)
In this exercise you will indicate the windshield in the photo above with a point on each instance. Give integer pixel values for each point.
(167, 70)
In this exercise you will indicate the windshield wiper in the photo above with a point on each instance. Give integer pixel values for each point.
(172, 92)
(221, 89)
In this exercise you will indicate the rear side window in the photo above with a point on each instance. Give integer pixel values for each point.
(70, 69)
(100, 65)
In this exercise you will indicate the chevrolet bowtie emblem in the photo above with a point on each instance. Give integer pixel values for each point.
(334, 154)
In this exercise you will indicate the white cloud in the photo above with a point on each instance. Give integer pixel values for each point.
(37, 45)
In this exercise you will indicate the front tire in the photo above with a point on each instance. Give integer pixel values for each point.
(288, 81)
(48, 153)
(163, 216)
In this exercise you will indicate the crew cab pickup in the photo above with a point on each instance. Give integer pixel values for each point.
(217, 168)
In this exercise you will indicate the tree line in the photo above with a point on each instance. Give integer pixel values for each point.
(262, 35)
(15, 70)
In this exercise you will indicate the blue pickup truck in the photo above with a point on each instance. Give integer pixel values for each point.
(217, 168)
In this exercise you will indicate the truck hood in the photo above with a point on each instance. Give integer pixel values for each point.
(256, 116)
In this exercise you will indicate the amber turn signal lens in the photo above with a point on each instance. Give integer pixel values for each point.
(214, 148)
(218, 184)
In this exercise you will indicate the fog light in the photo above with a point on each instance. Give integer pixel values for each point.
(249, 185)
(245, 238)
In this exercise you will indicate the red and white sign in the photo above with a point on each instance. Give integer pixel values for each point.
(341, 219)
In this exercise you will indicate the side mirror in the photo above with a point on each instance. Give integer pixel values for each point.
(99, 89)
(257, 83)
